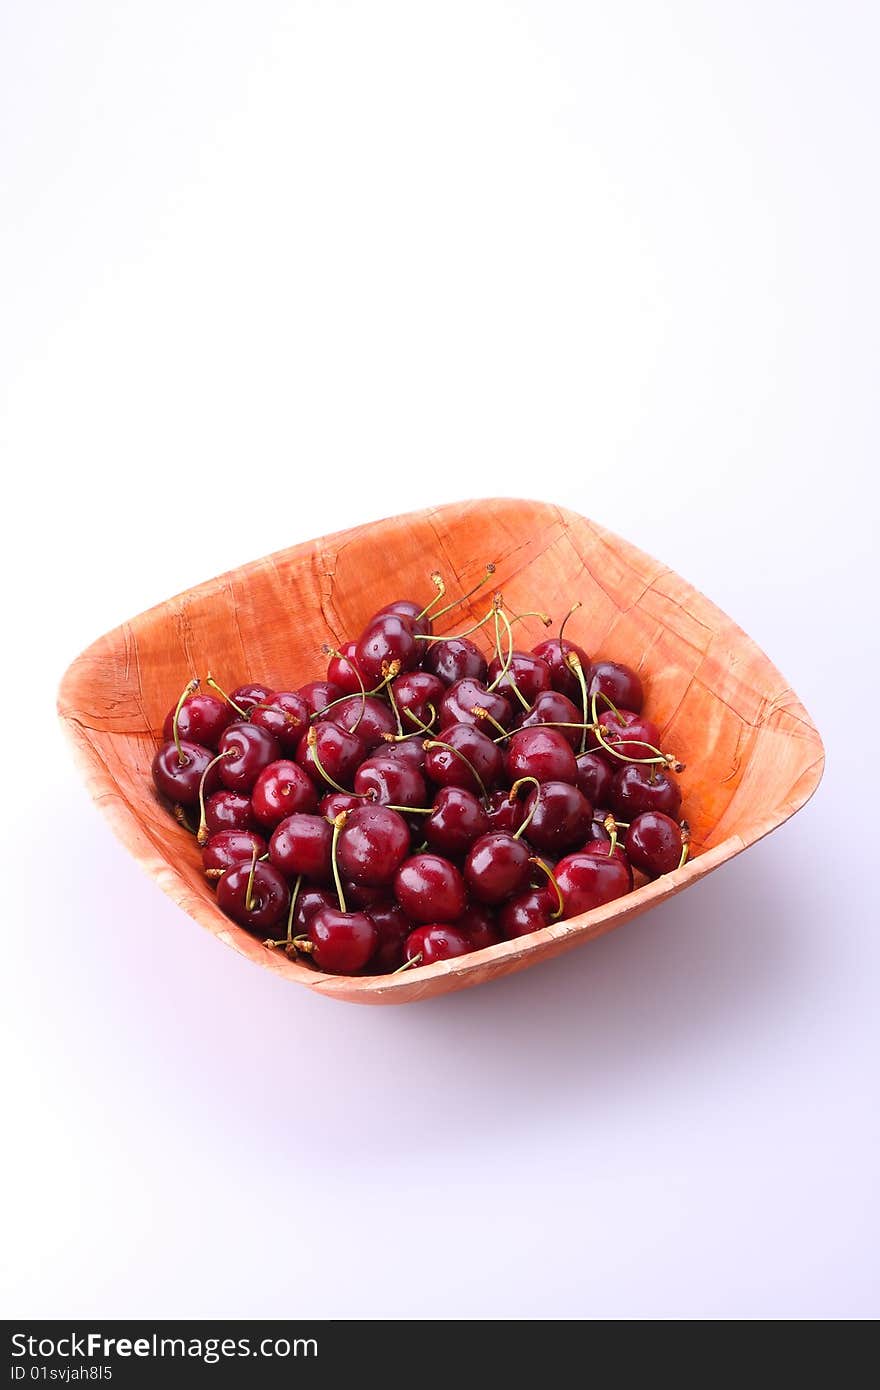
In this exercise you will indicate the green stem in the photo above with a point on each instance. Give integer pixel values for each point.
(202, 832)
(338, 825)
(408, 964)
(209, 680)
(248, 897)
(573, 662)
(521, 782)
(188, 690)
(437, 581)
(438, 743)
(490, 570)
(557, 890)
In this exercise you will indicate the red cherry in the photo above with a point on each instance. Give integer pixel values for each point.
(463, 757)
(179, 780)
(627, 733)
(343, 670)
(436, 942)
(201, 719)
(372, 845)
(552, 708)
(654, 843)
(526, 671)
(301, 845)
(319, 694)
(285, 715)
(255, 895)
(504, 814)
(334, 802)
(467, 696)
(228, 848)
(594, 778)
(587, 881)
(406, 750)
(228, 811)
(391, 781)
(367, 717)
(408, 609)
(541, 753)
(384, 641)
(560, 817)
(621, 684)
(249, 750)
(642, 787)
(393, 927)
(342, 942)
(456, 821)
(420, 693)
(562, 677)
(497, 867)
(603, 850)
(454, 659)
(478, 924)
(281, 789)
(430, 889)
(527, 912)
(330, 753)
(249, 695)
(310, 900)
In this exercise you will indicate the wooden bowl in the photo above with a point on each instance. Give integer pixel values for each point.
(753, 755)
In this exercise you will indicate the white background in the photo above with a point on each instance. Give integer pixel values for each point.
(270, 270)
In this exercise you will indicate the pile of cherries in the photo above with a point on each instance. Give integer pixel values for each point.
(424, 800)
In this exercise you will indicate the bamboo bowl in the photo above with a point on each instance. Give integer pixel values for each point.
(753, 755)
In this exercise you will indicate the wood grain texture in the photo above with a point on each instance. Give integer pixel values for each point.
(753, 755)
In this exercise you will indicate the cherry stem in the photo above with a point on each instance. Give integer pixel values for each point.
(293, 897)
(312, 744)
(338, 825)
(202, 832)
(408, 964)
(423, 728)
(520, 617)
(438, 743)
(610, 825)
(600, 695)
(483, 713)
(512, 795)
(545, 868)
(574, 663)
(453, 636)
(209, 680)
(505, 670)
(547, 724)
(188, 689)
(573, 609)
(490, 570)
(395, 710)
(437, 581)
(661, 759)
(332, 651)
(411, 810)
(180, 816)
(249, 903)
(685, 844)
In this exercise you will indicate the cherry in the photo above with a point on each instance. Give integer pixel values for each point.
(386, 640)
(408, 609)
(594, 778)
(369, 718)
(621, 684)
(430, 889)
(341, 942)
(627, 733)
(248, 749)
(373, 843)
(343, 670)
(526, 672)
(418, 693)
(455, 658)
(391, 782)
(334, 802)
(406, 750)
(528, 912)
(655, 843)
(363, 897)
(309, 900)
(638, 787)
(541, 753)
(200, 719)
(455, 822)
(228, 811)
(463, 701)
(604, 849)
(178, 775)
(479, 925)
(562, 677)
(281, 789)
(330, 753)
(428, 944)
(319, 694)
(255, 895)
(285, 715)
(300, 844)
(497, 867)
(228, 848)
(598, 829)
(246, 697)
(589, 880)
(393, 927)
(463, 757)
(504, 814)
(553, 708)
(560, 816)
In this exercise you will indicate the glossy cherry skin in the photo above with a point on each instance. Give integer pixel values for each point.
(446, 769)
(285, 715)
(359, 896)
(527, 912)
(230, 847)
(504, 814)
(410, 610)
(180, 781)
(340, 753)
(594, 777)
(372, 845)
(598, 830)
(637, 788)
(393, 927)
(436, 942)
(369, 718)
(334, 802)
(405, 750)
(542, 753)
(343, 941)
(561, 819)
(454, 659)
(202, 719)
(497, 867)
(386, 640)
(228, 811)
(281, 789)
(391, 782)
(301, 845)
(654, 843)
(343, 670)
(628, 734)
(479, 925)
(462, 700)
(620, 683)
(319, 694)
(269, 898)
(456, 821)
(430, 889)
(603, 850)
(589, 880)
(552, 708)
(420, 692)
(529, 673)
(249, 695)
(562, 677)
(310, 900)
(250, 749)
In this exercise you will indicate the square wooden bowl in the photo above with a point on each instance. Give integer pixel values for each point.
(753, 755)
